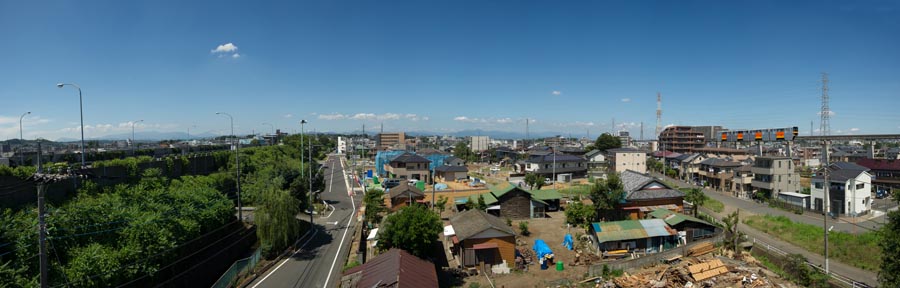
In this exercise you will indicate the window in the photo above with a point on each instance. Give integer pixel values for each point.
(861, 186)
(779, 166)
(818, 185)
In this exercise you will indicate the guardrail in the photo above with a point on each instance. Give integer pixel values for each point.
(844, 280)
(241, 266)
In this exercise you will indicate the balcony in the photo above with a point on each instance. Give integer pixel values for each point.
(762, 171)
(762, 185)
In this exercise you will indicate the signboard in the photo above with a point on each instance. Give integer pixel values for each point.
(767, 135)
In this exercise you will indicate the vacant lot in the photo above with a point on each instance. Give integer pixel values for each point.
(852, 249)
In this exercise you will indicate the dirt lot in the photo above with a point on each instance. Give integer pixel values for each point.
(552, 230)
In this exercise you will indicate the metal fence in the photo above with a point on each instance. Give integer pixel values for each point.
(838, 279)
(239, 268)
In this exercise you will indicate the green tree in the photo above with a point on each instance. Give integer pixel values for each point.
(374, 201)
(277, 225)
(441, 203)
(535, 181)
(481, 205)
(579, 214)
(697, 197)
(414, 228)
(732, 235)
(607, 141)
(523, 228)
(890, 250)
(462, 151)
(606, 195)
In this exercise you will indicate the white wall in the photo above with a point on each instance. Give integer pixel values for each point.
(862, 198)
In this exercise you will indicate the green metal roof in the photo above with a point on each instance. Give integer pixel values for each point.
(673, 218)
(631, 230)
(549, 194)
(499, 191)
(489, 199)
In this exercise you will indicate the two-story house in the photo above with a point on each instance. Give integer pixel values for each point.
(742, 182)
(885, 173)
(688, 166)
(774, 174)
(623, 159)
(718, 173)
(849, 190)
(408, 166)
(550, 164)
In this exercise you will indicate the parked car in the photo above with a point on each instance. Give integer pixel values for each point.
(390, 183)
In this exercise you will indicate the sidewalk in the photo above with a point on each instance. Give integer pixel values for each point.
(750, 207)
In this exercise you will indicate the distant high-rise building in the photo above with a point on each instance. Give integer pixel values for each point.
(479, 143)
(681, 139)
(386, 141)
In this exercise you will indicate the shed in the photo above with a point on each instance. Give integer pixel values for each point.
(796, 199)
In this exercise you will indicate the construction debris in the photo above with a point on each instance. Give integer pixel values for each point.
(707, 270)
(701, 249)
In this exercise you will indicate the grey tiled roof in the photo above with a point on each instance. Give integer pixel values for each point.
(633, 182)
(404, 190)
(654, 194)
(471, 222)
(624, 150)
(720, 163)
(410, 158)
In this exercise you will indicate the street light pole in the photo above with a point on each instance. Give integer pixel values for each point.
(237, 162)
(132, 135)
(81, 111)
(308, 205)
(22, 138)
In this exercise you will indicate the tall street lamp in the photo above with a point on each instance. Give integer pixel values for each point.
(81, 111)
(309, 205)
(237, 163)
(273, 132)
(132, 135)
(22, 156)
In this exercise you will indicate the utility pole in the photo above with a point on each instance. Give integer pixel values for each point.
(658, 114)
(642, 130)
(525, 145)
(825, 125)
(827, 206)
(42, 225)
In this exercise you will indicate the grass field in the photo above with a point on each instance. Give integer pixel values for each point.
(852, 249)
(714, 205)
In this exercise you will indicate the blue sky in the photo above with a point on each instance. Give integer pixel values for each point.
(447, 65)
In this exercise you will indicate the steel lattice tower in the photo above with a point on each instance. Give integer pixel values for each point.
(824, 124)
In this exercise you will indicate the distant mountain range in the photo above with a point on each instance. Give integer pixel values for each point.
(144, 136)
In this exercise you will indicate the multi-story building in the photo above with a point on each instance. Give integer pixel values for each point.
(718, 173)
(408, 166)
(742, 182)
(479, 143)
(386, 141)
(564, 164)
(774, 174)
(885, 173)
(625, 138)
(681, 139)
(621, 159)
(849, 190)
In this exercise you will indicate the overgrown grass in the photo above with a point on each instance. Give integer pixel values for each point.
(583, 190)
(714, 205)
(851, 249)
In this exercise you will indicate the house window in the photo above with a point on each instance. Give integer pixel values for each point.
(861, 186)
(818, 185)
(779, 165)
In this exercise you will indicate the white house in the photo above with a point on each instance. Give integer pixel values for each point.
(341, 145)
(850, 189)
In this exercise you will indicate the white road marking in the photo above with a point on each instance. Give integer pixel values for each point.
(315, 231)
(346, 228)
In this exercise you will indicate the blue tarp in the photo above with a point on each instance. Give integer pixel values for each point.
(384, 157)
(567, 241)
(540, 248)
(440, 186)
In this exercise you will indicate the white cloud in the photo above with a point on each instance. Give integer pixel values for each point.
(556, 92)
(463, 119)
(626, 100)
(289, 115)
(854, 129)
(504, 120)
(333, 116)
(225, 48)
(236, 55)
(388, 116)
(363, 116)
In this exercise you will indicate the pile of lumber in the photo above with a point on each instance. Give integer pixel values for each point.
(701, 249)
(707, 270)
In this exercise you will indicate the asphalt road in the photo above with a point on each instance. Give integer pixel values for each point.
(323, 252)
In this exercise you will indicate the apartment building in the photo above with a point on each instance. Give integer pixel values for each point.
(387, 141)
(681, 139)
(774, 174)
(479, 143)
(621, 159)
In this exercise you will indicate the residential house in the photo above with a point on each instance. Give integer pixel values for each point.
(688, 166)
(504, 152)
(742, 182)
(689, 228)
(403, 195)
(514, 202)
(643, 194)
(595, 159)
(451, 172)
(622, 159)
(395, 268)
(634, 236)
(408, 166)
(555, 164)
(723, 152)
(774, 174)
(718, 173)
(885, 173)
(479, 237)
(453, 161)
(849, 189)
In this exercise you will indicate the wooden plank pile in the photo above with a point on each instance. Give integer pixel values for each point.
(701, 249)
(707, 270)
